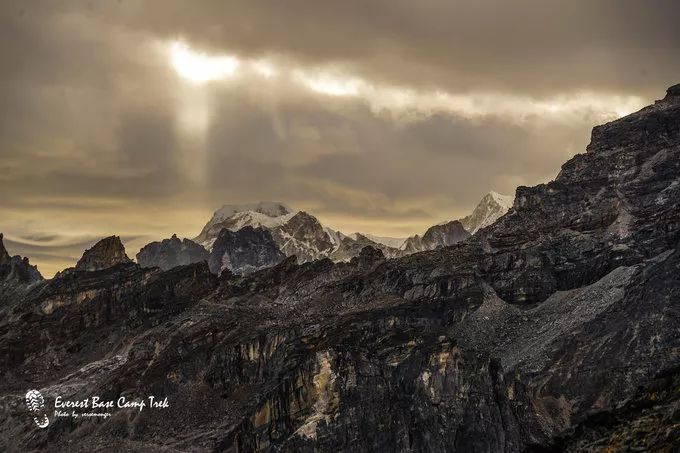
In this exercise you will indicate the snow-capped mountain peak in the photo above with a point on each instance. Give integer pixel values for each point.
(505, 201)
(265, 214)
(267, 208)
(490, 208)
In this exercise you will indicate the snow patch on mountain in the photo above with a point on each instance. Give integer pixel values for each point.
(266, 214)
(266, 208)
(491, 207)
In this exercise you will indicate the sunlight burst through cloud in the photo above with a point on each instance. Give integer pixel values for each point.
(405, 103)
(199, 67)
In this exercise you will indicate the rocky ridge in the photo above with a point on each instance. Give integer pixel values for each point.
(553, 329)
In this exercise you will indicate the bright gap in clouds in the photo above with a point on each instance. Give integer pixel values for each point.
(199, 68)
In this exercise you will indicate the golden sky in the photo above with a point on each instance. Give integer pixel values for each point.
(140, 118)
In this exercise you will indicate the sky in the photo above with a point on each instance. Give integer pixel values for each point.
(140, 118)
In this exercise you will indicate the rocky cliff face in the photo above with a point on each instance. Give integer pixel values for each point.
(170, 253)
(104, 254)
(244, 251)
(554, 329)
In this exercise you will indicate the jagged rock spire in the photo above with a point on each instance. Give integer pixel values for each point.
(4, 256)
(104, 254)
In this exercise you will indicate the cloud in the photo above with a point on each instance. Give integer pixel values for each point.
(382, 116)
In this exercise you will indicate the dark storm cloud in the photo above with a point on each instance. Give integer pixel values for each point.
(526, 45)
(441, 157)
(99, 135)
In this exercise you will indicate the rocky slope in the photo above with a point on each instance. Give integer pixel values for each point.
(554, 329)
(244, 251)
(170, 253)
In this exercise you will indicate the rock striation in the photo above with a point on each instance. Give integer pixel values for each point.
(170, 253)
(106, 253)
(553, 329)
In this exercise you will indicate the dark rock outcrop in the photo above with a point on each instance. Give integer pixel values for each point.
(244, 251)
(106, 253)
(170, 253)
(555, 328)
(17, 275)
(4, 256)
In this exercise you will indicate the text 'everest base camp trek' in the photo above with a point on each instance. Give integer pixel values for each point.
(550, 323)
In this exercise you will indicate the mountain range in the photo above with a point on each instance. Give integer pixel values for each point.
(554, 328)
(300, 234)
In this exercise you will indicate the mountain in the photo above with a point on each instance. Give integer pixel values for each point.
(394, 243)
(303, 236)
(266, 214)
(553, 329)
(436, 236)
(489, 209)
(295, 234)
(244, 251)
(350, 247)
(170, 253)
(106, 253)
